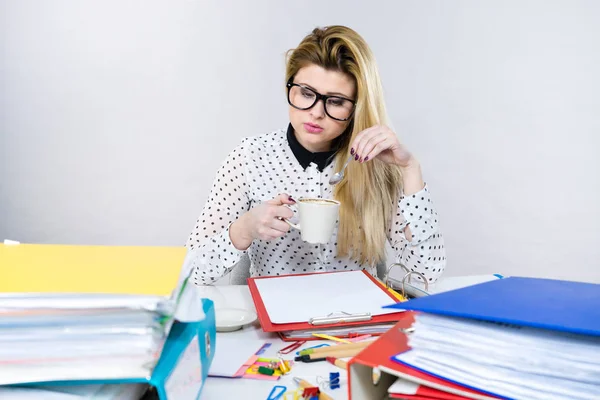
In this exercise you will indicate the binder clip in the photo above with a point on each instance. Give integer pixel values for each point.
(311, 392)
(284, 366)
(332, 383)
(334, 380)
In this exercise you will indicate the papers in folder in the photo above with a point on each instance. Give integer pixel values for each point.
(54, 337)
(300, 298)
(520, 338)
(337, 303)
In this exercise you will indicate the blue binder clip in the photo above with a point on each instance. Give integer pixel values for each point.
(334, 380)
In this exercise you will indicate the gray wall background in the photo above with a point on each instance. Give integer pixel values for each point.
(115, 115)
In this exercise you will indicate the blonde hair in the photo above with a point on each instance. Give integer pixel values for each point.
(369, 192)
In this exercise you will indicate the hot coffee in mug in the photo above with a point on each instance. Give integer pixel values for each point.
(317, 219)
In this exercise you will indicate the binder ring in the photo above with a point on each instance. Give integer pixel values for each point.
(387, 273)
(408, 276)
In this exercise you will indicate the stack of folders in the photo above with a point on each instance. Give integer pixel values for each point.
(517, 338)
(68, 337)
(339, 304)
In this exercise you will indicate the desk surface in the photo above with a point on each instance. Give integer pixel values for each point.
(239, 297)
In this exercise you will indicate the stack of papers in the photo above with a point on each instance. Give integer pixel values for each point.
(519, 338)
(339, 332)
(340, 304)
(65, 337)
(506, 360)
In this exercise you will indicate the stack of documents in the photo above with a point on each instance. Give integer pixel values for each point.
(377, 329)
(335, 303)
(60, 337)
(519, 338)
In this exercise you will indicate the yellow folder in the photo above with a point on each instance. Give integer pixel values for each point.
(90, 269)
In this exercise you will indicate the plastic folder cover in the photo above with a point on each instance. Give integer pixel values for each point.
(540, 303)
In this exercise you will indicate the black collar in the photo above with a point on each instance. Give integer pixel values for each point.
(305, 157)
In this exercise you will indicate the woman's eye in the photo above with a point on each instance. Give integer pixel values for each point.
(307, 93)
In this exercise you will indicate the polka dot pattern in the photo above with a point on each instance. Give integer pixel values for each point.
(261, 168)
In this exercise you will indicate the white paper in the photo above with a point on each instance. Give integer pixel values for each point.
(17, 393)
(508, 360)
(76, 392)
(185, 380)
(402, 386)
(109, 368)
(231, 353)
(79, 301)
(300, 298)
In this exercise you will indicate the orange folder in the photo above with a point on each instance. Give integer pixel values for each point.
(377, 356)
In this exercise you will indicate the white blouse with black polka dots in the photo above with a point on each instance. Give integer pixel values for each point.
(261, 168)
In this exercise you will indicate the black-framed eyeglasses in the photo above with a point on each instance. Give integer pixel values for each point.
(304, 98)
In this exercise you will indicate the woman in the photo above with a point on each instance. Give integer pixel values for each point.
(336, 109)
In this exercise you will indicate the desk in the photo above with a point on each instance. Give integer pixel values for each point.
(238, 296)
(227, 388)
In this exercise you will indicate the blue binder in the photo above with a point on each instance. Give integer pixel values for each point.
(540, 303)
(183, 365)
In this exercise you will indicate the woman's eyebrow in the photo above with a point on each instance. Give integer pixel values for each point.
(328, 93)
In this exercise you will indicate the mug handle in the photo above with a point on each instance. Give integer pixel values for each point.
(295, 226)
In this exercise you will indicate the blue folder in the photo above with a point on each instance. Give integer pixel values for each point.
(540, 303)
(183, 366)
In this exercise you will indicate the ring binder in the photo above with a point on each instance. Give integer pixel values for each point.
(334, 318)
(407, 275)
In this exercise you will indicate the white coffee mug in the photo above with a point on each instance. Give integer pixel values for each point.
(317, 219)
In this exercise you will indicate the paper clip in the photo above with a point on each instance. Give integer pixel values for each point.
(293, 395)
(275, 394)
(291, 347)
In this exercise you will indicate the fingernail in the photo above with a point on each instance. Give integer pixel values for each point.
(360, 160)
(352, 150)
(366, 158)
(356, 157)
(290, 199)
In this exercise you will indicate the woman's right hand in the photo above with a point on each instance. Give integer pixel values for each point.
(263, 222)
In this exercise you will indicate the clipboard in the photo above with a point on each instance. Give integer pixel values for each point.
(329, 318)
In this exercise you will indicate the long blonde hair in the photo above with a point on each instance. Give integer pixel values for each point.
(369, 192)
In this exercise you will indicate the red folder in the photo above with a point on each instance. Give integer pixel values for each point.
(269, 326)
(378, 356)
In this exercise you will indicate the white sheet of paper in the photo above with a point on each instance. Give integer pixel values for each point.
(231, 353)
(185, 380)
(402, 386)
(299, 298)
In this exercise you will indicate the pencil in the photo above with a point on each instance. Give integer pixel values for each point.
(329, 337)
(357, 345)
(338, 363)
(304, 384)
(337, 354)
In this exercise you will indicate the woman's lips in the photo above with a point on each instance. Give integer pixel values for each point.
(312, 128)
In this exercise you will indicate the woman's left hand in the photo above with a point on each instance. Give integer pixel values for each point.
(381, 142)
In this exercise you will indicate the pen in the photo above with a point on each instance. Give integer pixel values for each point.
(338, 363)
(321, 356)
(304, 384)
